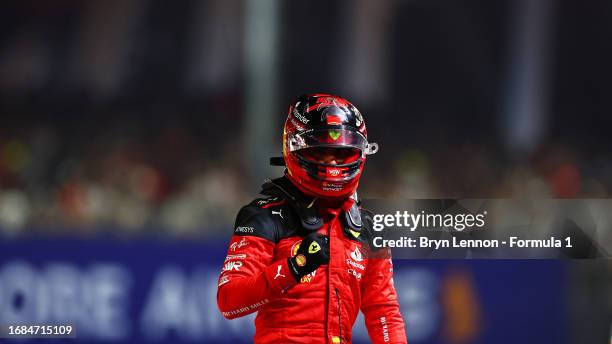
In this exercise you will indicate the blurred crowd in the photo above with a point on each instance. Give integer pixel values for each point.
(173, 178)
(117, 176)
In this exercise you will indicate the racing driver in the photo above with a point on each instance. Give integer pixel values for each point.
(300, 256)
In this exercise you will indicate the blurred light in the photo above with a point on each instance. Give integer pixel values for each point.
(72, 200)
(565, 181)
(131, 214)
(145, 182)
(413, 170)
(523, 183)
(462, 308)
(414, 160)
(14, 210)
(419, 297)
(15, 156)
(98, 203)
(177, 214)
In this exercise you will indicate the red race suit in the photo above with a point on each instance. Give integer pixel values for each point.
(323, 306)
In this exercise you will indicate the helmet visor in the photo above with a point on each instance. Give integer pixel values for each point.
(332, 138)
(330, 155)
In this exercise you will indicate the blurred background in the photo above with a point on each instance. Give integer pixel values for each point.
(132, 132)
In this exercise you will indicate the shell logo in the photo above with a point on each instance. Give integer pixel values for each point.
(308, 278)
(295, 248)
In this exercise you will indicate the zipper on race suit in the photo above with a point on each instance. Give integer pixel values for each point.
(339, 314)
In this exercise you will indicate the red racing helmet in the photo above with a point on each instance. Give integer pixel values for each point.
(325, 145)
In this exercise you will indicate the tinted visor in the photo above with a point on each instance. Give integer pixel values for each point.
(332, 138)
(330, 155)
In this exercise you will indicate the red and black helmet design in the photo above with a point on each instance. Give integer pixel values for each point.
(325, 145)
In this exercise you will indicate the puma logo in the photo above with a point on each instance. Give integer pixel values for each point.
(279, 213)
(278, 272)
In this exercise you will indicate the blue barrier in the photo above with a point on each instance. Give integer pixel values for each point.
(164, 291)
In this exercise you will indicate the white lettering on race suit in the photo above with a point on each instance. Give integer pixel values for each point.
(245, 309)
(356, 265)
(265, 201)
(240, 244)
(229, 266)
(385, 330)
(244, 229)
(235, 256)
(354, 273)
(223, 280)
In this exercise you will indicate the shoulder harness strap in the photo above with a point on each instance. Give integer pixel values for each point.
(352, 215)
(302, 205)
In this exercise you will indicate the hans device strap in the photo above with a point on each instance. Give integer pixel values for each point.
(309, 217)
(352, 217)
